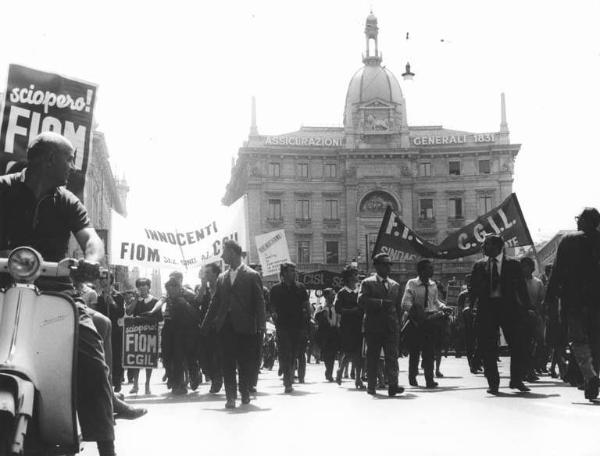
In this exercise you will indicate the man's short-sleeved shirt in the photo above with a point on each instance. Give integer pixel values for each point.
(45, 225)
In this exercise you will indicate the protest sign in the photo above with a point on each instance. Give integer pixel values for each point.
(272, 251)
(140, 342)
(137, 244)
(319, 280)
(403, 244)
(37, 101)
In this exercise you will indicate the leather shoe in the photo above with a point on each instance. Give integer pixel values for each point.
(359, 385)
(252, 389)
(431, 385)
(194, 384)
(245, 398)
(131, 413)
(492, 390)
(412, 381)
(179, 391)
(230, 404)
(520, 386)
(338, 377)
(592, 387)
(288, 390)
(395, 389)
(371, 391)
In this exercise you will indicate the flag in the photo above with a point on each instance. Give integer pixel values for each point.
(403, 244)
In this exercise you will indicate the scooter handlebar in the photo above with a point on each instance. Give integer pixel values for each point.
(63, 268)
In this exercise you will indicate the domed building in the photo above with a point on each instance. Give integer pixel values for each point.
(328, 187)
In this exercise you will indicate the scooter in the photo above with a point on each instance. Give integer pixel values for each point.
(38, 359)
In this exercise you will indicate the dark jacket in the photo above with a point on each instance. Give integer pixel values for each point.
(575, 276)
(244, 301)
(382, 307)
(512, 285)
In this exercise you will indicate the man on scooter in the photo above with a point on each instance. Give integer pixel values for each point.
(36, 210)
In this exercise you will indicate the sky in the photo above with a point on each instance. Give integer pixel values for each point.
(176, 80)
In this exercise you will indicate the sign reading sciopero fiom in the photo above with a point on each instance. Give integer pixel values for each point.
(140, 342)
(37, 101)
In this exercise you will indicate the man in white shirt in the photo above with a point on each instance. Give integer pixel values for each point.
(425, 310)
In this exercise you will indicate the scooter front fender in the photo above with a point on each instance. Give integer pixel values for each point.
(38, 334)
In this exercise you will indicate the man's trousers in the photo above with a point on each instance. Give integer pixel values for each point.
(238, 355)
(290, 346)
(376, 341)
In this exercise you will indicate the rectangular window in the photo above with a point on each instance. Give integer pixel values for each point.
(425, 169)
(303, 252)
(274, 209)
(426, 208)
(332, 254)
(302, 170)
(331, 210)
(484, 167)
(485, 204)
(454, 168)
(455, 208)
(330, 170)
(274, 169)
(303, 209)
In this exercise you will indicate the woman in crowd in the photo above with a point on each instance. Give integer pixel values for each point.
(346, 305)
(327, 332)
(143, 305)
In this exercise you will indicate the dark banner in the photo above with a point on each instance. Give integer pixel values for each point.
(403, 244)
(140, 342)
(36, 101)
(319, 280)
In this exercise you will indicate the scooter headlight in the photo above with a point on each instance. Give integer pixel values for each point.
(24, 264)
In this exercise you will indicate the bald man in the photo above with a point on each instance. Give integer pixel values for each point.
(36, 210)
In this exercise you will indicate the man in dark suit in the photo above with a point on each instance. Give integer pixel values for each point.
(291, 313)
(575, 280)
(380, 298)
(237, 312)
(500, 293)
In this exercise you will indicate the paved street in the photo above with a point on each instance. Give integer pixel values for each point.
(324, 418)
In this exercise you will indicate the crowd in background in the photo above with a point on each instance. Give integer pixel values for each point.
(231, 324)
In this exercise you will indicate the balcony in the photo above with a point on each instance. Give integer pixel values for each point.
(275, 222)
(456, 222)
(331, 223)
(426, 225)
(303, 222)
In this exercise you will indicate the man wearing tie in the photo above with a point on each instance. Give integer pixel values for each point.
(237, 312)
(500, 293)
(426, 312)
(380, 298)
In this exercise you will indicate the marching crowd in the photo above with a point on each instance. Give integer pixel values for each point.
(231, 326)
(223, 328)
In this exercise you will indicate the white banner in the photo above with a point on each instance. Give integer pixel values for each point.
(272, 251)
(134, 244)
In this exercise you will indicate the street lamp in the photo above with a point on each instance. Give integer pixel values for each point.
(408, 75)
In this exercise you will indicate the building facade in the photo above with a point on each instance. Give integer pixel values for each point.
(329, 187)
(102, 193)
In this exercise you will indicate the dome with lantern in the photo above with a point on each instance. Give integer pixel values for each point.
(374, 101)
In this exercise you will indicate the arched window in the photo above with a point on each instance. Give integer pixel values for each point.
(375, 203)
